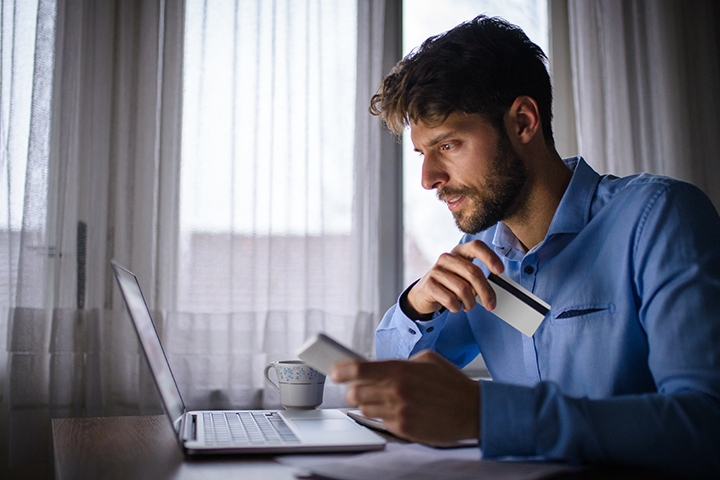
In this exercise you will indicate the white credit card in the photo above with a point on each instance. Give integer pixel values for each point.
(322, 352)
(516, 305)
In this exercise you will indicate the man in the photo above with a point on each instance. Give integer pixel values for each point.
(625, 368)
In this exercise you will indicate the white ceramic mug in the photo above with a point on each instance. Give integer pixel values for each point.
(300, 385)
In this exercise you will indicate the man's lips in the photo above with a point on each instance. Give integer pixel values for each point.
(453, 202)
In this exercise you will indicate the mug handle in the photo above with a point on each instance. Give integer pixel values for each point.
(267, 369)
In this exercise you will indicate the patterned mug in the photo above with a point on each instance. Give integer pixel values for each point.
(300, 385)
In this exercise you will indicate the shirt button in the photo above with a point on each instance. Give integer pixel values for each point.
(411, 331)
(529, 270)
(430, 329)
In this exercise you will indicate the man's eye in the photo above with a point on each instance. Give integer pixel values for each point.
(446, 146)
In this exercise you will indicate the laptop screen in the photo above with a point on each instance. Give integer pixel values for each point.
(141, 319)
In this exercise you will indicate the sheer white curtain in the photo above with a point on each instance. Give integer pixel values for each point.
(281, 232)
(645, 82)
(88, 163)
(211, 148)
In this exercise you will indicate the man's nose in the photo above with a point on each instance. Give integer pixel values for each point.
(433, 173)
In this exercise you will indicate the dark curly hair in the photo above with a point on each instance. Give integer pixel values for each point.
(479, 67)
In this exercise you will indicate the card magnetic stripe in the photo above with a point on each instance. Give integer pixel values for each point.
(528, 300)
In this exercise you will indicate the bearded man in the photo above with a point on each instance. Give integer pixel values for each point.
(624, 368)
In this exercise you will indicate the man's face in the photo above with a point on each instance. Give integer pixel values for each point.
(476, 172)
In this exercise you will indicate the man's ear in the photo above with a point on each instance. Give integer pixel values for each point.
(525, 118)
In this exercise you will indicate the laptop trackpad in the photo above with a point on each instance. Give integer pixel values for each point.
(311, 425)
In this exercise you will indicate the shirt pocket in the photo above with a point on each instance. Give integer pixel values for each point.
(581, 313)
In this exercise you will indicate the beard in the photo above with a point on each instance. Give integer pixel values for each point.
(500, 196)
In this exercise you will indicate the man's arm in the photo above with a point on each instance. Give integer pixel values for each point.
(673, 433)
(421, 315)
(398, 337)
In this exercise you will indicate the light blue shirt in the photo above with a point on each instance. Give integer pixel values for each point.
(625, 368)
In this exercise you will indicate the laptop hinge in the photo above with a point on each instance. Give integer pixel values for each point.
(190, 427)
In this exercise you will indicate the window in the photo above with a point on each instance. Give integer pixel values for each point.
(267, 154)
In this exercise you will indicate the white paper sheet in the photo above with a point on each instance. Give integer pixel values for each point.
(417, 462)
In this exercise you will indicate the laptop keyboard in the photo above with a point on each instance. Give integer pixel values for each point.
(246, 428)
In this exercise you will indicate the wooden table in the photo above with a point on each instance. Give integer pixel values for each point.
(141, 447)
(144, 447)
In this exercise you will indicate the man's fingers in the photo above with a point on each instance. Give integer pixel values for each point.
(484, 294)
(464, 281)
(479, 250)
(486, 297)
(455, 282)
(450, 291)
(430, 356)
(366, 394)
(427, 356)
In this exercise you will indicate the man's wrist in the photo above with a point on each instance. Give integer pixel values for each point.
(408, 309)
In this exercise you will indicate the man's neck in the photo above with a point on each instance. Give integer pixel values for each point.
(548, 178)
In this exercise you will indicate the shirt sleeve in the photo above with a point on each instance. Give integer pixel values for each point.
(447, 333)
(398, 336)
(674, 429)
(674, 433)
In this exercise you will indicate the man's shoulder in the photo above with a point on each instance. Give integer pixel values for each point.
(644, 190)
(640, 182)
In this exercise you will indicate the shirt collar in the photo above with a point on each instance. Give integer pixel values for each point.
(572, 214)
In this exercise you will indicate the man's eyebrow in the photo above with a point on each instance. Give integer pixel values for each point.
(438, 139)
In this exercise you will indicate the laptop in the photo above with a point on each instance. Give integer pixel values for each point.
(238, 431)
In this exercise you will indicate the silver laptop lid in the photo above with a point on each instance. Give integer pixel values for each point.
(145, 328)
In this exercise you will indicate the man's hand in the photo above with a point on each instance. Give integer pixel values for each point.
(425, 399)
(454, 281)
